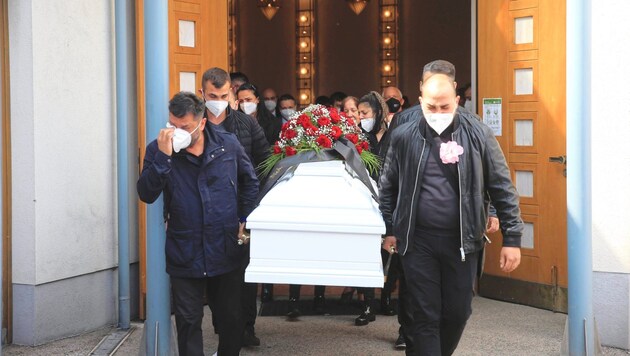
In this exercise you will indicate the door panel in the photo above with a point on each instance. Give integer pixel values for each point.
(521, 59)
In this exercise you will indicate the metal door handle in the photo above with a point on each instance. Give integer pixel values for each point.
(558, 159)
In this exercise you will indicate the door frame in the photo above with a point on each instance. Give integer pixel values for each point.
(7, 281)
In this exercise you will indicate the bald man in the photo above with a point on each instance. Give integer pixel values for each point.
(438, 174)
(394, 99)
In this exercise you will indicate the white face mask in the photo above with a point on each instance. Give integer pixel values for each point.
(468, 105)
(368, 124)
(181, 138)
(216, 107)
(270, 105)
(286, 113)
(439, 121)
(248, 108)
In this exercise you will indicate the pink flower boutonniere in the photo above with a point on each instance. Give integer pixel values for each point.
(450, 152)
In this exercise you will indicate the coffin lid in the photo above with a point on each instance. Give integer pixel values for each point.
(319, 196)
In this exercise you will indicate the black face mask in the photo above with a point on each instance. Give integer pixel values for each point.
(393, 105)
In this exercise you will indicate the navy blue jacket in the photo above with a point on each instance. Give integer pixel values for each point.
(204, 197)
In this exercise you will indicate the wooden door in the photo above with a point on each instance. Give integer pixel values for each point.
(521, 59)
(198, 40)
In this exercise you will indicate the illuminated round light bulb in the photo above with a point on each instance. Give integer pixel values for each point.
(388, 54)
(387, 67)
(389, 81)
(387, 40)
(303, 32)
(304, 96)
(389, 27)
(304, 58)
(303, 18)
(303, 44)
(387, 13)
(303, 71)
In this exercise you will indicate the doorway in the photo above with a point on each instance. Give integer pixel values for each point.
(521, 61)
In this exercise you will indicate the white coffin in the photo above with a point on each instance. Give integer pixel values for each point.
(320, 227)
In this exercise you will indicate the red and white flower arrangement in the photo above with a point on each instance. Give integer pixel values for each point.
(315, 128)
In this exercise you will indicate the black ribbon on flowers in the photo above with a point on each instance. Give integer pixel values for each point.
(283, 170)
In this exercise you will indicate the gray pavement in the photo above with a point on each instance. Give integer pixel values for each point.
(495, 328)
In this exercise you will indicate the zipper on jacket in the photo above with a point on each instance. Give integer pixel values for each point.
(461, 228)
(415, 187)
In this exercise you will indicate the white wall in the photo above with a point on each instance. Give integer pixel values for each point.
(610, 133)
(63, 141)
(610, 128)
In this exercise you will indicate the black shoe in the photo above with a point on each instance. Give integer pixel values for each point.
(319, 302)
(267, 294)
(386, 305)
(294, 312)
(250, 339)
(346, 297)
(400, 343)
(365, 317)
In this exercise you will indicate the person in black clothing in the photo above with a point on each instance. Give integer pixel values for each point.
(215, 84)
(372, 113)
(440, 173)
(249, 103)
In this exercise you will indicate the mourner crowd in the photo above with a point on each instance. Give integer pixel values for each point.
(441, 168)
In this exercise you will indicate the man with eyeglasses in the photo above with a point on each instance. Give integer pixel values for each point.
(199, 168)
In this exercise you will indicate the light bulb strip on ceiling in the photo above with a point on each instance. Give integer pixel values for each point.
(232, 35)
(305, 52)
(388, 42)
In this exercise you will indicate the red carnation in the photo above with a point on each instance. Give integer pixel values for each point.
(336, 132)
(354, 138)
(289, 134)
(334, 116)
(277, 150)
(324, 141)
(323, 121)
(290, 151)
(359, 148)
(350, 121)
(285, 126)
(311, 129)
(365, 145)
(304, 120)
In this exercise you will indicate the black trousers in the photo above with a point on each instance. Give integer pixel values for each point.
(294, 291)
(250, 293)
(405, 308)
(224, 294)
(440, 289)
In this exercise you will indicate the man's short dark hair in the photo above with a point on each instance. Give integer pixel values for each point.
(238, 77)
(184, 103)
(439, 66)
(217, 76)
(284, 97)
(338, 96)
(324, 100)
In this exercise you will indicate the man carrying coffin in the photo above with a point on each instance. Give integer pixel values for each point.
(439, 173)
(209, 184)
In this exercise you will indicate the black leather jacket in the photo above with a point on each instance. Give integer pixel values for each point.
(483, 176)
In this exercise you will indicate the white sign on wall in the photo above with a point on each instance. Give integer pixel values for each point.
(492, 114)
